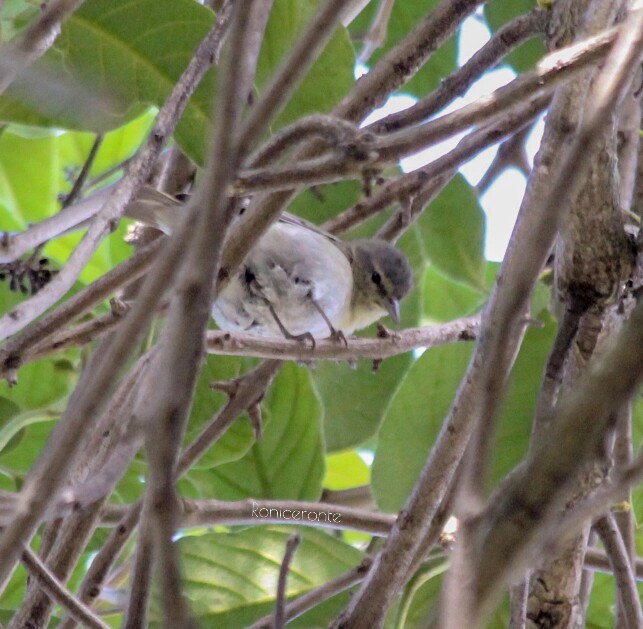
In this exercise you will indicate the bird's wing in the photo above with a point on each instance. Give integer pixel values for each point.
(154, 208)
(291, 219)
(157, 209)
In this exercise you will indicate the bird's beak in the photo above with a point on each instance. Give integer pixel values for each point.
(393, 309)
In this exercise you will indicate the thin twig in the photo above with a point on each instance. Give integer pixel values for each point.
(318, 595)
(12, 353)
(76, 189)
(629, 601)
(59, 592)
(171, 381)
(295, 67)
(280, 599)
(137, 171)
(610, 86)
(102, 562)
(319, 514)
(504, 40)
(597, 560)
(250, 389)
(465, 329)
(75, 530)
(550, 72)
(518, 605)
(136, 614)
(400, 63)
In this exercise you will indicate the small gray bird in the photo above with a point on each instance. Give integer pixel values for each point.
(299, 281)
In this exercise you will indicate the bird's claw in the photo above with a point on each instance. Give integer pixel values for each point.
(384, 333)
(337, 336)
(302, 338)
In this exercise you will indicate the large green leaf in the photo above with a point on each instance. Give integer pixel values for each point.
(415, 416)
(405, 16)
(445, 299)
(321, 203)
(136, 50)
(345, 470)
(288, 462)
(355, 400)
(413, 421)
(41, 384)
(331, 76)
(121, 49)
(452, 231)
(231, 578)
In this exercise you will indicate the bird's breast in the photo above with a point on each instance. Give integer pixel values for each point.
(289, 268)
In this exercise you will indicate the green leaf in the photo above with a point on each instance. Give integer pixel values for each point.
(8, 408)
(18, 423)
(404, 17)
(231, 578)
(239, 437)
(600, 614)
(421, 595)
(498, 13)
(14, 594)
(445, 299)
(40, 384)
(331, 76)
(18, 461)
(452, 232)
(322, 203)
(121, 49)
(415, 416)
(345, 470)
(516, 416)
(34, 172)
(413, 421)
(288, 462)
(14, 15)
(355, 400)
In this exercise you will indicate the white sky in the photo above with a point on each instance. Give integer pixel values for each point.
(502, 199)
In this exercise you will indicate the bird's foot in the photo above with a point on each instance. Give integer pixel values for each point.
(384, 333)
(337, 336)
(302, 338)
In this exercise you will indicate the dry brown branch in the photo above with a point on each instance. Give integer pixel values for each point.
(503, 325)
(98, 380)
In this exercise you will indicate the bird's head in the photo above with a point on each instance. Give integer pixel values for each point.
(382, 277)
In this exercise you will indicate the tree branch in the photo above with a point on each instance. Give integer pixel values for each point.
(504, 40)
(318, 595)
(481, 389)
(59, 592)
(97, 382)
(280, 599)
(629, 601)
(465, 329)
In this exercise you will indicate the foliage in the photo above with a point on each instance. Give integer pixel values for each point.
(325, 426)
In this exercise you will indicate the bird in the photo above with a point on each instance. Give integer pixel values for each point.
(299, 282)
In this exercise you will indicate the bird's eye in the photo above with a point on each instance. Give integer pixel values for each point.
(377, 278)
